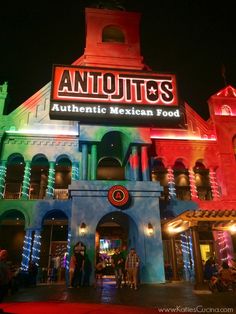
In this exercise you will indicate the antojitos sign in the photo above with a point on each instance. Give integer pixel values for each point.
(95, 95)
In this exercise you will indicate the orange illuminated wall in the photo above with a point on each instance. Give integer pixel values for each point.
(112, 39)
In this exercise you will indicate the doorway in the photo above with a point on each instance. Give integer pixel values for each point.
(112, 232)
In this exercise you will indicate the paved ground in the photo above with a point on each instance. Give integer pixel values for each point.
(179, 296)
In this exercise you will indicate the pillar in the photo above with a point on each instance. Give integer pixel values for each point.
(145, 163)
(51, 180)
(199, 280)
(192, 181)
(134, 163)
(214, 185)
(171, 182)
(68, 256)
(187, 252)
(94, 162)
(75, 171)
(26, 250)
(174, 259)
(3, 171)
(3, 97)
(26, 181)
(36, 247)
(84, 163)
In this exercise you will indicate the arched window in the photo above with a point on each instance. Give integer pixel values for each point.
(14, 176)
(111, 152)
(226, 110)
(202, 181)
(39, 177)
(113, 34)
(62, 177)
(182, 184)
(159, 173)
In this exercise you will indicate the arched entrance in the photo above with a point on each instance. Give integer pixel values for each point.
(54, 246)
(114, 230)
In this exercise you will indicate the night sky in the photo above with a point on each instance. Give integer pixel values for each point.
(193, 39)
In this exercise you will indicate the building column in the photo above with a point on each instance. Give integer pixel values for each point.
(36, 247)
(51, 180)
(94, 162)
(199, 280)
(26, 250)
(174, 259)
(3, 172)
(193, 188)
(214, 185)
(84, 163)
(75, 171)
(145, 163)
(26, 181)
(134, 163)
(68, 256)
(187, 252)
(171, 182)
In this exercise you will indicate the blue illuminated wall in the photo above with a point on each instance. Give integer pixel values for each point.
(90, 204)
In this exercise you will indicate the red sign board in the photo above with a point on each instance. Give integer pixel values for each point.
(118, 196)
(93, 85)
(114, 96)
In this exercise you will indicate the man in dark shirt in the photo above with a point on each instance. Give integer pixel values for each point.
(5, 274)
(79, 266)
(117, 265)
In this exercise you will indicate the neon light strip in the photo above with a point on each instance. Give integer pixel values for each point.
(178, 137)
(44, 132)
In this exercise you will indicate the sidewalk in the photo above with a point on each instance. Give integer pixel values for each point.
(107, 299)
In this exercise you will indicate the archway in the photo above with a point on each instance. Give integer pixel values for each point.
(202, 181)
(54, 246)
(14, 176)
(114, 230)
(12, 225)
(62, 177)
(39, 177)
(111, 154)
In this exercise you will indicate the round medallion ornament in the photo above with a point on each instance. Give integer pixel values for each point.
(118, 196)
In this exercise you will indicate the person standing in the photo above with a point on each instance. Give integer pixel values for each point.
(117, 265)
(124, 254)
(79, 266)
(5, 275)
(33, 272)
(72, 265)
(132, 265)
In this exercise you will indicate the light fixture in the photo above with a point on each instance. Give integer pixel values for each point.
(83, 228)
(232, 228)
(150, 229)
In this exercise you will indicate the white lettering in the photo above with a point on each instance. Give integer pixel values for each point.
(159, 111)
(55, 107)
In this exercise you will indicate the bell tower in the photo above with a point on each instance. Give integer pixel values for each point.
(112, 39)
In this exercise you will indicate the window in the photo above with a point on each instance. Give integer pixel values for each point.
(112, 34)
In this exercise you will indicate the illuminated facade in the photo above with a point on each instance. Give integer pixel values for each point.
(56, 173)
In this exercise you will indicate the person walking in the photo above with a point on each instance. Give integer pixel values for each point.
(117, 265)
(124, 253)
(132, 265)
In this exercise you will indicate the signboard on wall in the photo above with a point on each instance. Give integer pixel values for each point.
(95, 95)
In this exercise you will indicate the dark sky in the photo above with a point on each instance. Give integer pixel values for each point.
(192, 39)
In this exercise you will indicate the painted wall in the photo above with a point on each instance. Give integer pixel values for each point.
(90, 204)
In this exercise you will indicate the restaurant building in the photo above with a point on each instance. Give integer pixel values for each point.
(107, 154)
